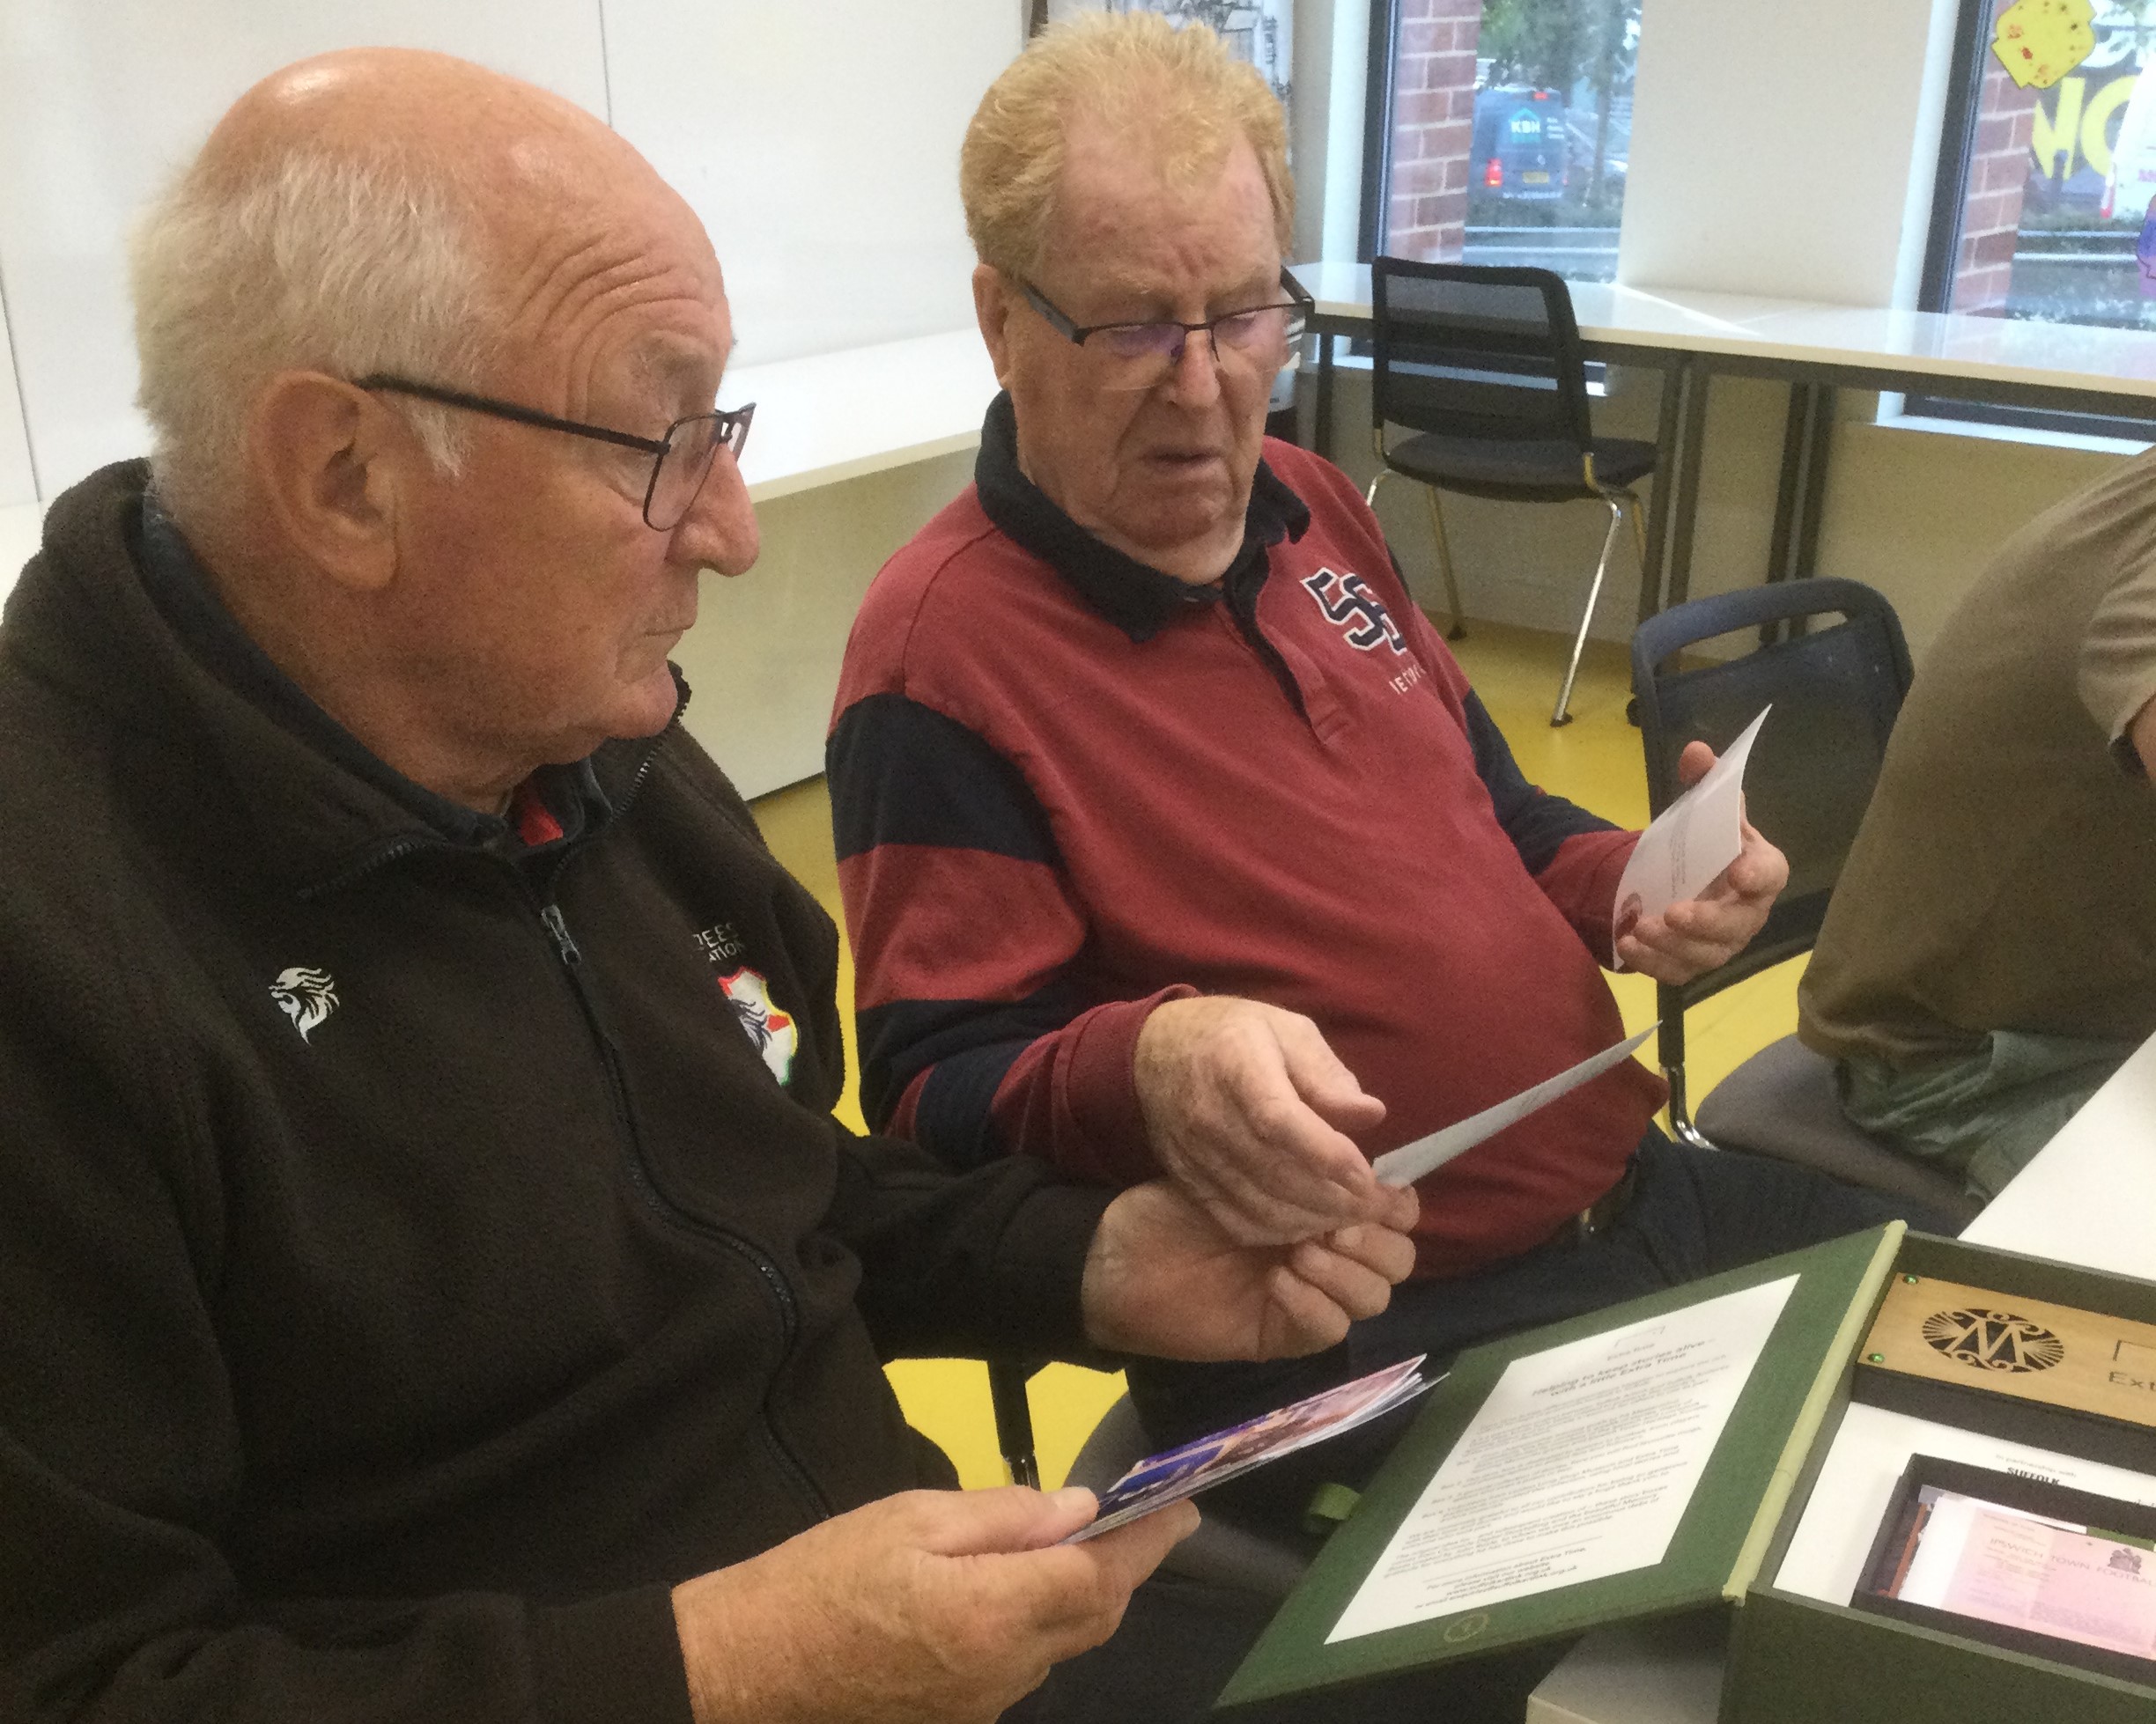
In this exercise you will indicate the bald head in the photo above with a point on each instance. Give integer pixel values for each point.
(469, 593)
(369, 210)
(509, 154)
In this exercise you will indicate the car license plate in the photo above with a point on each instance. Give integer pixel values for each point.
(1531, 178)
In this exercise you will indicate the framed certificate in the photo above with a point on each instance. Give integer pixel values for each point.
(2020, 1563)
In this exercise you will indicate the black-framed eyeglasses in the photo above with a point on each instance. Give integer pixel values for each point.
(681, 460)
(1137, 355)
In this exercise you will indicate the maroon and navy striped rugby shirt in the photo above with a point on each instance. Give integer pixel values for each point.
(1066, 787)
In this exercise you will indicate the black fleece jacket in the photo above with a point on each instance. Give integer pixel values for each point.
(410, 1268)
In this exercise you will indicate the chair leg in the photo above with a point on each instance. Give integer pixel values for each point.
(1579, 643)
(1458, 630)
(1682, 1127)
(1014, 1418)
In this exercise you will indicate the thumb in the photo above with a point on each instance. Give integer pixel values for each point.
(1692, 763)
(1135, 1549)
(1319, 1076)
(1008, 1518)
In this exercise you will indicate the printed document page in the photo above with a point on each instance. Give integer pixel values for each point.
(1579, 1465)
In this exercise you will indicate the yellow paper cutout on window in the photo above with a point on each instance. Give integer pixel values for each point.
(2039, 41)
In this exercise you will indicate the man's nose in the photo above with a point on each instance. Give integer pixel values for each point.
(719, 530)
(1193, 376)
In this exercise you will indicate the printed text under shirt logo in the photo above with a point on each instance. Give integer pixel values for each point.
(1346, 600)
(305, 996)
(770, 1031)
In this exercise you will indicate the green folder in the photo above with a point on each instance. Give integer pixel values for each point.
(1717, 1546)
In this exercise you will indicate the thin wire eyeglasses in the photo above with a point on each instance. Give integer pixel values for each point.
(681, 460)
(1140, 354)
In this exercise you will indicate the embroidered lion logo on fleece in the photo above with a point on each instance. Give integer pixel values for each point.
(305, 996)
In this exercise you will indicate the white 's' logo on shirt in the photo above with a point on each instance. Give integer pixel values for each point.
(1347, 600)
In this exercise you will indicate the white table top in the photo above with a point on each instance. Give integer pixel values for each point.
(820, 420)
(838, 416)
(2089, 1197)
(1797, 332)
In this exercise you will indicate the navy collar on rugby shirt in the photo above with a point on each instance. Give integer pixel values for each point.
(181, 588)
(1134, 596)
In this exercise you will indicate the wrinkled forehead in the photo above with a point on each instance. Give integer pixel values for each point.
(1128, 205)
(601, 247)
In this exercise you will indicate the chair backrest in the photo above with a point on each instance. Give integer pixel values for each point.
(1836, 691)
(1470, 350)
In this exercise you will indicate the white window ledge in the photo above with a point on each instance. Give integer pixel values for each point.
(1892, 418)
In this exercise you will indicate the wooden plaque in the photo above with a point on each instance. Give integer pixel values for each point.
(2027, 1348)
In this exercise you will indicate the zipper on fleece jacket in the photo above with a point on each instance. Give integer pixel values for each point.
(543, 899)
(572, 959)
(565, 946)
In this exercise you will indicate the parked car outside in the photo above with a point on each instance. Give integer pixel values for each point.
(1520, 148)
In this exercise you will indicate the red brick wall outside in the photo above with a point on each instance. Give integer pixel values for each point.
(1999, 169)
(1433, 127)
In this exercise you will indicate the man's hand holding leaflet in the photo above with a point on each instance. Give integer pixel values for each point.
(1701, 878)
(1424, 1156)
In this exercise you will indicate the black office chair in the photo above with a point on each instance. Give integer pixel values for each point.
(1836, 691)
(1483, 365)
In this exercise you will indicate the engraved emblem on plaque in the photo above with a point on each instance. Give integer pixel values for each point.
(1993, 1340)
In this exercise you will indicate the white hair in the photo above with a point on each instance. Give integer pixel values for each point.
(320, 261)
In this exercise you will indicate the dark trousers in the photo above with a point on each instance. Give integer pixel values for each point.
(1693, 1213)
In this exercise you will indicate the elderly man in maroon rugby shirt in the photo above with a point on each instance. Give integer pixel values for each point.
(1171, 836)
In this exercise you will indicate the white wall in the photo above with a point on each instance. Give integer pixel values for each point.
(1775, 148)
(100, 103)
(18, 506)
(818, 142)
(1332, 65)
(100, 100)
(17, 480)
(763, 660)
(820, 145)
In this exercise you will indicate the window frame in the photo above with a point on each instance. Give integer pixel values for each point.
(1965, 71)
(1377, 126)
(1377, 130)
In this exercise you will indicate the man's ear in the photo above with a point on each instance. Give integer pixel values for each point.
(993, 305)
(322, 452)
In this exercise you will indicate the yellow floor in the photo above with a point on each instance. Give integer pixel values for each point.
(1594, 760)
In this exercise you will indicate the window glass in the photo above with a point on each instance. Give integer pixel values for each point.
(2049, 210)
(1505, 131)
(1259, 31)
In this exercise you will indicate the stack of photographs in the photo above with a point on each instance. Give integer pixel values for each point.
(1176, 1473)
